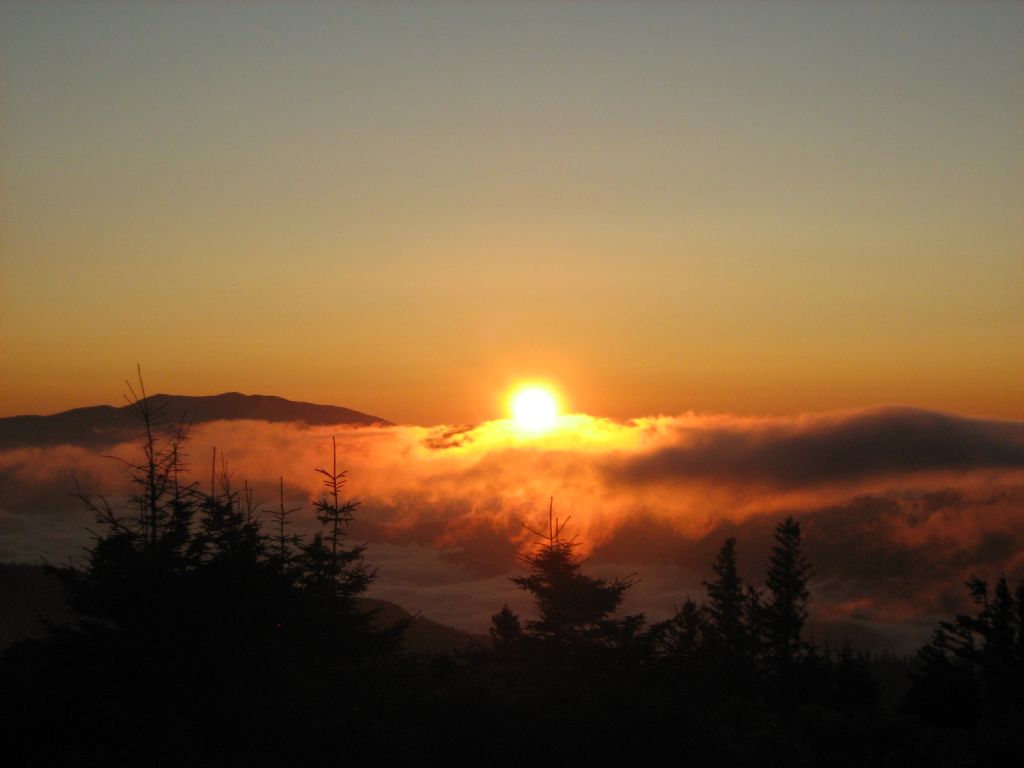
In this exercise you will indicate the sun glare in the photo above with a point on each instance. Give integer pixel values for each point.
(534, 409)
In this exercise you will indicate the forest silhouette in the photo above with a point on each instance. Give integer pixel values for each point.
(204, 629)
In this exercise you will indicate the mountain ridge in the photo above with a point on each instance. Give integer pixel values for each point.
(98, 425)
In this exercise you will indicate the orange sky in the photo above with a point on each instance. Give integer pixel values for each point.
(751, 209)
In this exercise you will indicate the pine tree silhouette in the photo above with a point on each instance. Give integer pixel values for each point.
(784, 613)
(333, 566)
(728, 605)
(685, 634)
(573, 608)
(283, 545)
(972, 667)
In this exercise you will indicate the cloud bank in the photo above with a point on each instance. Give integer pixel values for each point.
(898, 505)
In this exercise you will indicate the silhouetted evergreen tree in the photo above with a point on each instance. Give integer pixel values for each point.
(785, 611)
(333, 574)
(284, 544)
(572, 607)
(971, 674)
(138, 557)
(1002, 625)
(682, 637)
(728, 607)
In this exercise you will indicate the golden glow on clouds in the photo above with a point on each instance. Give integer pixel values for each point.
(446, 504)
(450, 486)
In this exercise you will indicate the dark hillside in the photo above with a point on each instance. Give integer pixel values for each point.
(29, 597)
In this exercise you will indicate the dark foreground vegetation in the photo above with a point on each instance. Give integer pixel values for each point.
(203, 631)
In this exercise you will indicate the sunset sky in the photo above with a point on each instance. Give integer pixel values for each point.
(405, 208)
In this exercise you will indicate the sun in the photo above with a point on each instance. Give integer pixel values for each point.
(534, 408)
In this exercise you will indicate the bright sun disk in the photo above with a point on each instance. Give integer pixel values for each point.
(534, 409)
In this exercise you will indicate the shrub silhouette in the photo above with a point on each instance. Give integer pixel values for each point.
(506, 630)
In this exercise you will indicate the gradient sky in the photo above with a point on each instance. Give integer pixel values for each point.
(405, 208)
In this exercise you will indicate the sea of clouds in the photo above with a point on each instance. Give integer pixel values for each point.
(898, 506)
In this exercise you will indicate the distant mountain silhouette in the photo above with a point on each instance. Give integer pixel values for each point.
(105, 425)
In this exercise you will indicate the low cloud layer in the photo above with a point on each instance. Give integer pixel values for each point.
(898, 506)
(819, 451)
